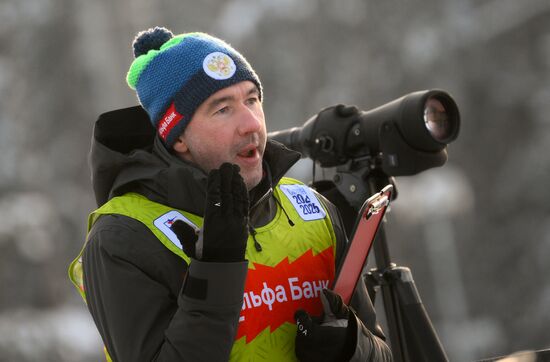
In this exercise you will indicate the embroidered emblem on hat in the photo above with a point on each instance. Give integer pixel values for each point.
(219, 66)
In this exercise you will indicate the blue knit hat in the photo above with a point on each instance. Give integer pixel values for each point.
(174, 75)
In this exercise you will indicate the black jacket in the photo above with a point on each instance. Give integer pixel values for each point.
(133, 282)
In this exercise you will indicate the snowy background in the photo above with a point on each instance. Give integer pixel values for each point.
(478, 247)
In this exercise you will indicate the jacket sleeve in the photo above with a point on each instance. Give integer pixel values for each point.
(134, 292)
(371, 344)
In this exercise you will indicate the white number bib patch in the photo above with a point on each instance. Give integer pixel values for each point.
(164, 222)
(304, 201)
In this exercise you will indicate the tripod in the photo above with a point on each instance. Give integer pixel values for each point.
(411, 333)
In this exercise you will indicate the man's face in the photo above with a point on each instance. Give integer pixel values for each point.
(228, 127)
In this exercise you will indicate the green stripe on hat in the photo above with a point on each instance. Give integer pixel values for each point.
(143, 60)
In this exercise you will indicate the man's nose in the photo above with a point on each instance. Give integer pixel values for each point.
(249, 121)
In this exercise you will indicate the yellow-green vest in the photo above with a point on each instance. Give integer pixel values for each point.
(294, 264)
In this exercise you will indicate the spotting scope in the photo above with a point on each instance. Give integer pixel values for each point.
(403, 137)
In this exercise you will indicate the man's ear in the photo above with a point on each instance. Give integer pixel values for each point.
(180, 146)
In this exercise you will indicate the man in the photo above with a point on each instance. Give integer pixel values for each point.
(200, 249)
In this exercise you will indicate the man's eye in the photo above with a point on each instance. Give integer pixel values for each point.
(253, 100)
(222, 110)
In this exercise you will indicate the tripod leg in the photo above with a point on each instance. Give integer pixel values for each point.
(363, 301)
(417, 326)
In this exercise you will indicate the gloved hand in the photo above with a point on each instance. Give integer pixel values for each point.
(225, 228)
(330, 338)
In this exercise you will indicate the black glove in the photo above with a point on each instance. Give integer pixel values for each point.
(331, 338)
(225, 228)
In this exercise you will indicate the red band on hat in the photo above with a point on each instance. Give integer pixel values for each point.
(168, 121)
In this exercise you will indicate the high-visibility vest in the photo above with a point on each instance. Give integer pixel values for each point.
(295, 263)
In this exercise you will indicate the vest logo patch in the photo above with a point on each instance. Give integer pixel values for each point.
(273, 294)
(304, 201)
(164, 222)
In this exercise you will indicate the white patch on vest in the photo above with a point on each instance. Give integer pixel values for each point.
(304, 201)
(164, 222)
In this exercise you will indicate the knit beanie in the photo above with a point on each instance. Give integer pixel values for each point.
(174, 75)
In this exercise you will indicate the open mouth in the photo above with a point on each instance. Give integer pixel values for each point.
(248, 153)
